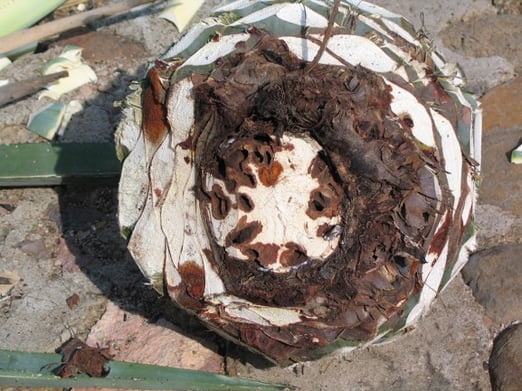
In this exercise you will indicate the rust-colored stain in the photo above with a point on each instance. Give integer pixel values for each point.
(155, 124)
(194, 277)
(437, 243)
(268, 175)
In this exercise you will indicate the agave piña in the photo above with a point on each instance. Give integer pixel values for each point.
(298, 206)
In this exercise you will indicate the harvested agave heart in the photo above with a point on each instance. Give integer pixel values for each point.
(300, 191)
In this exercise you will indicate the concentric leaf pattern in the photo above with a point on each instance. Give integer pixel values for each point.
(298, 207)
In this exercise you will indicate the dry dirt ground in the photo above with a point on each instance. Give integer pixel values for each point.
(62, 247)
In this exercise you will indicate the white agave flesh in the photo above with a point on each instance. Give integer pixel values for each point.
(353, 49)
(370, 8)
(79, 73)
(452, 155)
(181, 13)
(214, 50)
(236, 5)
(404, 103)
(244, 311)
(148, 239)
(188, 222)
(433, 272)
(286, 12)
(134, 185)
(279, 208)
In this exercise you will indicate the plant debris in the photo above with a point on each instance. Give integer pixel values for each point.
(52, 119)
(181, 12)
(78, 73)
(10, 92)
(8, 280)
(79, 358)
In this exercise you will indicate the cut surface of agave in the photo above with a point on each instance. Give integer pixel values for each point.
(298, 208)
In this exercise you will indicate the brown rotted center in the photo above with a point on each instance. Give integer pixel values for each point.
(361, 165)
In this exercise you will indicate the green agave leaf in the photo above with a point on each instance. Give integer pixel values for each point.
(28, 369)
(46, 121)
(45, 164)
(17, 15)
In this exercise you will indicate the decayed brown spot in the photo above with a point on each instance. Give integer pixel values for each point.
(293, 255)
(220, 203)
(188, 143)
(79, 358)
(268, 175)
(326, 200)
(328, 232)
(323, 202)
(244, 233)
(245, 203)
(317, 168)
(264, 254)
(153, 77)
(406, 121)
(194, 278)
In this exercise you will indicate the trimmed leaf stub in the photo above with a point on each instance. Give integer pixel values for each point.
(298, 207)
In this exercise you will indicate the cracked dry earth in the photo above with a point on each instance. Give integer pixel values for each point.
(68, 271)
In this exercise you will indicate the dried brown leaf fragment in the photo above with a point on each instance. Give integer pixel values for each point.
(79, 358)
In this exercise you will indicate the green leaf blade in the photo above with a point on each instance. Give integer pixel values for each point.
(46, 164)
(28, 369)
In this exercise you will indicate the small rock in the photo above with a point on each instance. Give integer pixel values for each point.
(505, 362)
(73, 301)
(502, 106)
(133, 338)
(495, 277)
(35, 247)
(496, 227)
